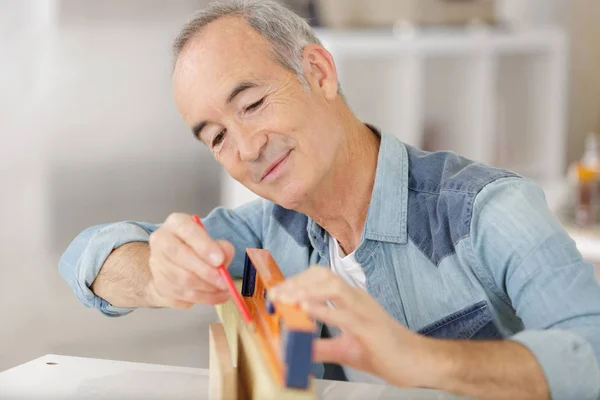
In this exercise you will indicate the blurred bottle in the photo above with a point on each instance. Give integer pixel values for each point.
(587, 179)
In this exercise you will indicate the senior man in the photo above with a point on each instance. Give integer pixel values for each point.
(423, 249)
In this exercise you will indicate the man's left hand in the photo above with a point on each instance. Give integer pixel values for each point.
(371, 340)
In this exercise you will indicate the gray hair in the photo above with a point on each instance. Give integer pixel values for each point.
(286, 31)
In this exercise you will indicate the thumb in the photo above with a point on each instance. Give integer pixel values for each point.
(328, 350)
(344, 349)
(228, 251)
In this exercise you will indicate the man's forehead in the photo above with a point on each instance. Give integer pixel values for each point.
(228, 43)
(226, 51)
(224, 54)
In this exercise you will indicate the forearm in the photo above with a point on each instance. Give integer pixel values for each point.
(484, 369)
(124, 278)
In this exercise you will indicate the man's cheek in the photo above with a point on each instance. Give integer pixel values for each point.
(246, 178)
(236, 173)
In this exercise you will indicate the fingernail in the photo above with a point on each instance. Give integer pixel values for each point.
(215, 258)
(304, 305)
(221, 283)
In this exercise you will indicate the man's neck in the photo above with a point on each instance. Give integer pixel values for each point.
(341, 204)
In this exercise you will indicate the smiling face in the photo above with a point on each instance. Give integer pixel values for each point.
(263, 125)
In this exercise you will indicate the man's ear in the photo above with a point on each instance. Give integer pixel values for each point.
(319, 70)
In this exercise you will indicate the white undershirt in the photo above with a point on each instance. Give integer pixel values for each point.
(346, 267)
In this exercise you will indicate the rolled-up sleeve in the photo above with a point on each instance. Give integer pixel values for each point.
(82, 260)
(567, 359)
(529, 260)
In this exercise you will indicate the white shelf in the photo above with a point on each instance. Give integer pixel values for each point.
(384, 42)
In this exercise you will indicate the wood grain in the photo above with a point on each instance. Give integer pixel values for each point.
(223, 380)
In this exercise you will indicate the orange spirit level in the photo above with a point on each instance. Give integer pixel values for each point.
(285, 330)
(270, 356)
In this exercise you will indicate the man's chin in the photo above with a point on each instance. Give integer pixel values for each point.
(288, 198)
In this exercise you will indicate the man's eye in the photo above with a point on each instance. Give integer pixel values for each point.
(218, 138)
(254, 106)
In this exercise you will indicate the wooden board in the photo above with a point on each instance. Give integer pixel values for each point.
(228, 313)
(223, 380)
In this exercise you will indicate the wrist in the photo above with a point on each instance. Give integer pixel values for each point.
(426, 364)
(151, 297)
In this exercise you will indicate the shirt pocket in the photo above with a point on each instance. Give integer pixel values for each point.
(473, 322)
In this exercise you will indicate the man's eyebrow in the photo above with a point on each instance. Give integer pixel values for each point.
(239, 88)
(197, 129)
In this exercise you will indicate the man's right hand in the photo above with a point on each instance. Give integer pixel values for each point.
(183, 262)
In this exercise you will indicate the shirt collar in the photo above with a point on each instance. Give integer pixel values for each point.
(386, 220)
(387, 215)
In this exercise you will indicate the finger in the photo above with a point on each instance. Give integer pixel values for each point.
(196, 237)
(327, 351)
(342, 318)
(177, 294)
(342, 349)
(352, 320)
(198, 297)
(228, 250)
(315, 275)
(170, 248)
(216, 298)
(177, 283)
(179, 305)
(208, 279)
(319, 288)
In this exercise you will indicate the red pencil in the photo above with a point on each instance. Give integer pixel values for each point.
(237, 298)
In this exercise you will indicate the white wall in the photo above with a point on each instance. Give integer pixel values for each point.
(89, 133)
(584, 101)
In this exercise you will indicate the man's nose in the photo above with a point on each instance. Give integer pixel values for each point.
(250, 145)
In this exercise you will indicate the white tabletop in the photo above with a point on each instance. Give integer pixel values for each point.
(64, 377)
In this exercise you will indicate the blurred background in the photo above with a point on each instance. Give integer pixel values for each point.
(89, 133)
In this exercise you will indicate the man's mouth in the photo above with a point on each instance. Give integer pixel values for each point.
(271, 168)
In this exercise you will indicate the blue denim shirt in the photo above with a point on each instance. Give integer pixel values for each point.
(451, 248)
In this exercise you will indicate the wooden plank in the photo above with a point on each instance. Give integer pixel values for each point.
(223, 379)
(227, 315)
(256, 379)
